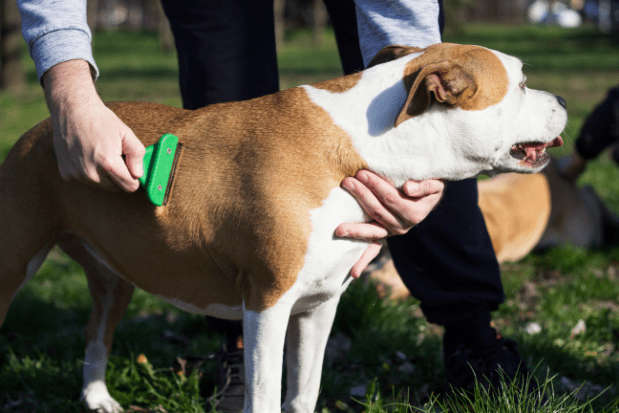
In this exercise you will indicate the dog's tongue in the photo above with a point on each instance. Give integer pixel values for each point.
(533, 149)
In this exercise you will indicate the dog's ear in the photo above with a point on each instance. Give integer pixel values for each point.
(445, 82)
(389, 53)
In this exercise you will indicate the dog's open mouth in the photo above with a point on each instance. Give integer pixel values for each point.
(533, 154)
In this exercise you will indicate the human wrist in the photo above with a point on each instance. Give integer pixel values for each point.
(69, 82)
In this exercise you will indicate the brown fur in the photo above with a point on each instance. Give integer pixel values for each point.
(220, 239)
(240, 232)
(389, 53)
(340, 85)
(516, 209)
(467, 77)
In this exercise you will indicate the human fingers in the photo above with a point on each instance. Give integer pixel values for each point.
(368, 255)
(407, 210)
(113, 169)
(363, 186)
(134, 150)
(367, 231)
(418, 189)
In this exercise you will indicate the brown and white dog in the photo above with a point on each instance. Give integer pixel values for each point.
(247, 232)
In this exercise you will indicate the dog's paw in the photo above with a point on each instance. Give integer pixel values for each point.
(97, 399)
(105, 405)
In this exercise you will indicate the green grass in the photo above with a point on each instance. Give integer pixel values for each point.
(380, 348)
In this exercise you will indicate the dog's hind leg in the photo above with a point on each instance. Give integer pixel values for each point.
(12, 279)
(305, 343)
(111, 296)
(27, 229)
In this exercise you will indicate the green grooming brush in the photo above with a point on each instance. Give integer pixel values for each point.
(159, 164)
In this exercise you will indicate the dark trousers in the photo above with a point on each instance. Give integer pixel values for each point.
(601, 128)
(226, 48)
(226, 52)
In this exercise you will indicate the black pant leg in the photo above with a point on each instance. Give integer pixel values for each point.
(344, 21)
(601, 128)
(226, 52)
(226, 49)
(447, 261)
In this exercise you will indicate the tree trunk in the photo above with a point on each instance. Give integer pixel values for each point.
(319, 23)
(12, 76)
(279, 7)
(92, 10)
(164, 32)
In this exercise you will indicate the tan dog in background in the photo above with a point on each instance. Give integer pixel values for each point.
(528, 212)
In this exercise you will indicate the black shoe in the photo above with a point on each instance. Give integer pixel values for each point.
(479, 362)
(231, 391)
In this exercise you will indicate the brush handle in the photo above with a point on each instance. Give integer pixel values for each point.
(158, 162)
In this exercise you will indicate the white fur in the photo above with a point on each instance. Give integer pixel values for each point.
(94, 389)
(310, 306)
(443, 143)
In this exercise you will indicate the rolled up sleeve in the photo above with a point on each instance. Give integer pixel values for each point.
(56, 31)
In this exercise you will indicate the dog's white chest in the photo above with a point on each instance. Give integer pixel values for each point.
(328, 259)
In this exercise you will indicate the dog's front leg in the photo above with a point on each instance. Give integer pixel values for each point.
(264, 333)
(306, 341)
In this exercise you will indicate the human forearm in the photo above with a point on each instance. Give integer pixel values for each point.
(89, 138)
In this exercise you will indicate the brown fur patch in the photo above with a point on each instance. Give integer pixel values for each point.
(484, 68)
(340, 85)
(516, 209)
(237, 222)
(389, 53)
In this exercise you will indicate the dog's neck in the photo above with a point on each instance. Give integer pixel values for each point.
(367, 112)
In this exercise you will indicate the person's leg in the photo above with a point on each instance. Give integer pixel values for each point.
(448, 263)
(226, 49)
(600, 130)
(344, 22)
(226, 52)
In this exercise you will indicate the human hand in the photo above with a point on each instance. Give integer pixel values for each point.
(89, 138)
(394, 212)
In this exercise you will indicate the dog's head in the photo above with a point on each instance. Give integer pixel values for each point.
(477, 101)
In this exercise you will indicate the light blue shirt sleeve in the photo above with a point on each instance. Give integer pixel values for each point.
(403, 22)
(56, 31)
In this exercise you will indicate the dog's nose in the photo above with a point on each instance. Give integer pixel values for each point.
(561, 101)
